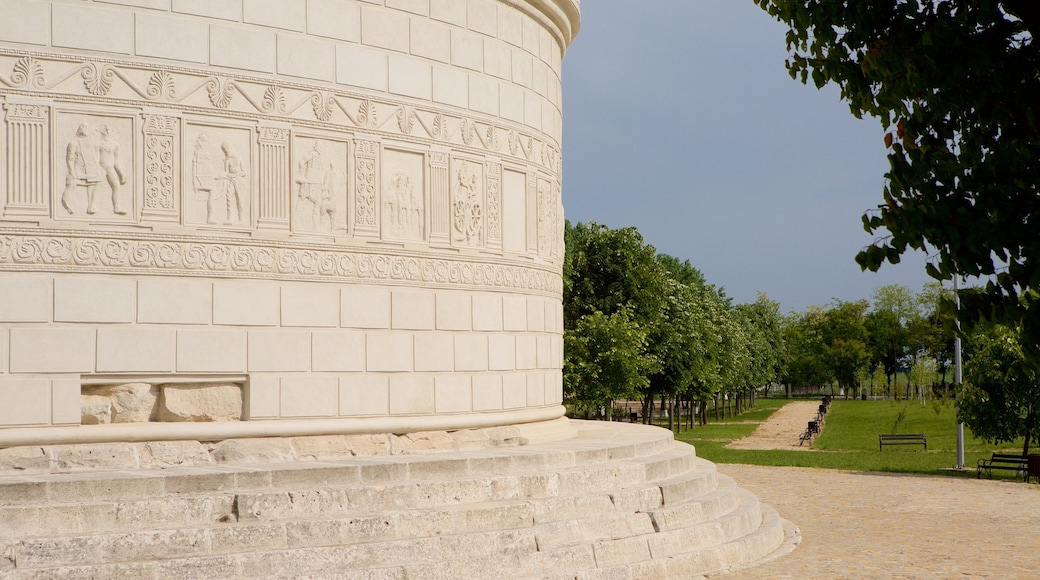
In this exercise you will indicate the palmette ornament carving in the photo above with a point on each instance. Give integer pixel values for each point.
(213, 258)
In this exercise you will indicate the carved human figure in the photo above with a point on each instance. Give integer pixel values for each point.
(235, 186)
(315, 207)
(108, 157)
(82, 167)
(466, 201)
(202, 176)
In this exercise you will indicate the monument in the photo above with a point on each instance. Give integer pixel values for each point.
(260, 260)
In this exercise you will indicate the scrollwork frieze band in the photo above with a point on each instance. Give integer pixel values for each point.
(212, 258)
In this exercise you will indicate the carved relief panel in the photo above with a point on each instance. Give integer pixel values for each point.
(467, 203)
(319, 185)
(494, 205)
(93, 167)
(25, 151)
(546, 218)
(217, 176)
(160, 151)
(403, 195)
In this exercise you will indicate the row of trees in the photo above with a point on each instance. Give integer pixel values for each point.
(647, 326)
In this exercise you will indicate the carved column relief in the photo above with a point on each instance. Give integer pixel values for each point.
(557, 253)
(366, 153)
(494, 205)
(27, 160)
(440, 204)
(546, 222)
(467, 203)
(532, 211)
(274, 178)
(160, 204)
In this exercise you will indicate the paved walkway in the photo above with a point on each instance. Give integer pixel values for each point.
(782, 429)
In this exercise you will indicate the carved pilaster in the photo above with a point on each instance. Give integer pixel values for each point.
(366, 154)
(274, 178)
(27, 160)
(160, 203)
(494, 205)
(557, 252)
(546, 221)
(440, 205)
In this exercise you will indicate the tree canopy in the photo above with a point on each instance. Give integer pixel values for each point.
(954, 84)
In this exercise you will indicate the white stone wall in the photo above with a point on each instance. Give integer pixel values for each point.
(352, 208)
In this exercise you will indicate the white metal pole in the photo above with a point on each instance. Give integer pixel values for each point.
(957, 375)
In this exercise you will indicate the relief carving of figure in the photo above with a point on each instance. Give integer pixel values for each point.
(87, 162)
(405, 211)
(202, 176)
(315, 206)
(233, 178)
(468, 215)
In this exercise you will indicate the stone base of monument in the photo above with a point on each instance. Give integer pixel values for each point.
(557, 500)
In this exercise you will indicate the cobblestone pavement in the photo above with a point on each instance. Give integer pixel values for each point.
(873, 525)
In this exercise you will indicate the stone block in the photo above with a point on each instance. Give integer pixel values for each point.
(522, 68)
(266, 450)
(526, 352)
(535, 389)
(453, 394)
(223, 9)
(430, 39)
(95, 410)
(467, 50)
(361, 67)
(128, 402)
(60, 349)
(364, 395)
(382, 28)
(261, 397)
(411, 395)
(306, 58)
(96, 456)
(471, 352)
(309, 396)
(501, 352)
(310, 305)
(174, 301)
(372, 528)
(170, 453)
(483, 94)
(413, 310)
(282, 350)
(482, 16)
(454, 311)
(487, 392)
(334, 19)
(364, 307)
(173, 38)
(450, 86)
(535, 314)
(498, 62)
(91, 27)
(556, 351)
(25, 22)
(487, 312)
(26, 297)
(287, 14)
(514, 391)
(554, 387)
(390, 352)
(25, 402)
(420, 7)
(65, 401)
(211, 351)
(151, 4)
(338, 351)
(91, 299)
(543, 351)
(510, 25)
(533, 110)
(250, 49)
(30, 458)
(450, 11)
(203, 402)
(135, 349)
(410, 77)
(246, 303)
(434, 352)
(530, 34)
(511, 102)
(514, 310)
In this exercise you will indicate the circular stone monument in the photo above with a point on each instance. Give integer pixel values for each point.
(239, 218)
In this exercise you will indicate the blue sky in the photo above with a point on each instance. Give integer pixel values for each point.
(681, 120)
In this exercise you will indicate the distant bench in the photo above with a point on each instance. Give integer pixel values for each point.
(902, 439)
(1015, 463)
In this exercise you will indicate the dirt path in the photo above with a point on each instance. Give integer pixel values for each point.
(782, 429)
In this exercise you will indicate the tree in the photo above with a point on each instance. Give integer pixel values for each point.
(845, 342)
(1000, 400)
(954, 84)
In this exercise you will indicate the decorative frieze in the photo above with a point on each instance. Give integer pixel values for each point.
(494, 205)
(365, 153)
(160, 203)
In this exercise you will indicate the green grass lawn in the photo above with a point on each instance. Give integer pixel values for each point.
(849, 439)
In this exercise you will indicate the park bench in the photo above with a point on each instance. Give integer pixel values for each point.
(902, 439)
(811, 430)
(1007, 461)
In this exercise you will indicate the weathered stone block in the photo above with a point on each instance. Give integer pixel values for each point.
(170, 453)
(253, 450)
(200, 402)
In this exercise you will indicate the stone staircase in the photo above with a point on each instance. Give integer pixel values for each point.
(617, 501)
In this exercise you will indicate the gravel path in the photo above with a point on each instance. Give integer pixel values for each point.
(873, 525)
